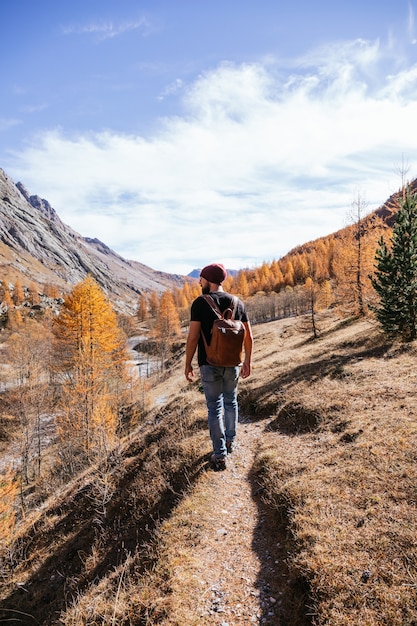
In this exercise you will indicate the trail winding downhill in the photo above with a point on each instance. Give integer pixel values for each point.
(238, 568)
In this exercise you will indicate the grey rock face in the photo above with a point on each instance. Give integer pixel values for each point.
(37, 246)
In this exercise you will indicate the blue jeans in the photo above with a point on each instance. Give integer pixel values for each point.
(220, 389)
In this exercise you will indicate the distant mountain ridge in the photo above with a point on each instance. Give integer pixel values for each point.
(36, 246)
(196, 273)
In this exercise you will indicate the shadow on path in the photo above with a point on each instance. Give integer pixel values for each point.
(283, 593)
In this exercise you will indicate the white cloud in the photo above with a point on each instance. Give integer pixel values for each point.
(172, 89)
(106, 30)
(264, 157)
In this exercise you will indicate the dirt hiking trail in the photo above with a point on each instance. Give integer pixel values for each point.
(238, 572)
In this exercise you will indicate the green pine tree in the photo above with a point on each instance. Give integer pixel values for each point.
(395, 278)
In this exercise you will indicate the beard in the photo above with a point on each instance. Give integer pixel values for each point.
(205, 290)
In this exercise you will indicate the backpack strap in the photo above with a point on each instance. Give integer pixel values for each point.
(234, 302)
(216, 309)
(210, 301)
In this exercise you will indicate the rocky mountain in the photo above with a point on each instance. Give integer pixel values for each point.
(36, 246)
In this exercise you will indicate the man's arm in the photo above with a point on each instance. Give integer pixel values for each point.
(192, 341)
(247, 344)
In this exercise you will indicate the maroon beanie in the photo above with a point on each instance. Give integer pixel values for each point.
(214, 273)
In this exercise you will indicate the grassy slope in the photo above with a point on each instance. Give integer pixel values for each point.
(337, 461)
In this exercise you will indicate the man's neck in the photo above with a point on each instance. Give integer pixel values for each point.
(212, 288)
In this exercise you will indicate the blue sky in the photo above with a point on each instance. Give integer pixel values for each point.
(182, 132)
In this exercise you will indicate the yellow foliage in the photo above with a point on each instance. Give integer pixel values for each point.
(8, 492)
(241, 285)
(153, 303)
(92, 355)
(168, 322)
(18, 294)
(142, 312)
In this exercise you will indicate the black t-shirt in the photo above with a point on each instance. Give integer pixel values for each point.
(202, 312)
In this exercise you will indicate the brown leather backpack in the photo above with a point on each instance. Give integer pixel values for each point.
(227, 336)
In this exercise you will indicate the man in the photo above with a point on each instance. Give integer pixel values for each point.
(219, 383)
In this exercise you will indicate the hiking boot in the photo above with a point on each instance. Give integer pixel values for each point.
(217, 464)
(230, 446)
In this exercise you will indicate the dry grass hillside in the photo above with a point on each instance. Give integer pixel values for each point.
(313, 522)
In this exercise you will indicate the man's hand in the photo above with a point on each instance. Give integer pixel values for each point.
(248, 343)
(189, 373)
(190, 348)
(245, 371)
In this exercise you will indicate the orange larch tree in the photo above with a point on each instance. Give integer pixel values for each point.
(289, 273)
(8, 491)
(142, 310)
(277, 276)
(168, 322)
(51, 291)
(34, 294)
(91, 357)
(168, 326)
(153, 303)
(241, 285)
(6, 297)
(18, 293)
(353, 263)
(27, 355)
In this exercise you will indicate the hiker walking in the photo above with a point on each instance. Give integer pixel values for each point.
(219, 381)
